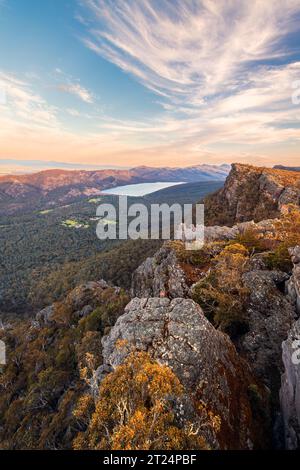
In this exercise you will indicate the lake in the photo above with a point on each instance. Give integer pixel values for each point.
(140, 189)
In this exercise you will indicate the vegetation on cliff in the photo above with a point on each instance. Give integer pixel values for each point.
(134, 410)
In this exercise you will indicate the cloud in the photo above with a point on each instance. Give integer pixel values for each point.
(22, 103)
(77, 90)
(189, 51)
(222, 68)
(222, 71)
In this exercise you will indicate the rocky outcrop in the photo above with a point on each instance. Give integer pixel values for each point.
(290, 380)
(164, 275)
(160, 276)
(81, 301)
(293, 286)
(252, 193)
(43, 317)
(290, 388)
(263, 229)
(270, 316)
(176, 332)
(52, 187)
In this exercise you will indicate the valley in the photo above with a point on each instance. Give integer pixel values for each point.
(46, 244)
(50, 188)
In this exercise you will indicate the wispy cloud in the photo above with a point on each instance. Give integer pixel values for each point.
(23, 103)
(77, 90)
(68, 84)
(186, 50)
(223, 69)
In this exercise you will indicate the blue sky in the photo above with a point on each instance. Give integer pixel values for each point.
(157, 82)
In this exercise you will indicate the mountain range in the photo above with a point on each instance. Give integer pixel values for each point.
(47, 188)
(288, 168)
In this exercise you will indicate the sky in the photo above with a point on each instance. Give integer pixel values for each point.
(121, 83)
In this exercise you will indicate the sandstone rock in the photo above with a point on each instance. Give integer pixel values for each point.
(176, 332)
(252, 193)
(290, 195)
(81, 295)
(160, 276)
(264, 229)
(98, 375)
(44, 316)
(293, 286)
(290, 388)
(82, 300)
(270, 316)
(217, 233)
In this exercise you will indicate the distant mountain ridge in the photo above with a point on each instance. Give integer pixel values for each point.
(52, 187)
(287, 168)
(60, 177)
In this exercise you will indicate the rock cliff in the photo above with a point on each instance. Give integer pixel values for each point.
(252, 193)
(270, 316)
(223, 319)
(290, 388)
(290, 380)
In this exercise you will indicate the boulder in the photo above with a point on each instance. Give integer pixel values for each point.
(252, 193)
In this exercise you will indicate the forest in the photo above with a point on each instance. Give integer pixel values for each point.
(58, 247)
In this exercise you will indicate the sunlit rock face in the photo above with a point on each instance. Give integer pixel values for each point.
(252, 193)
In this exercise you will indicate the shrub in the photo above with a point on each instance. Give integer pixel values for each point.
(250, 240)
(279, 258)
(221, 293)
(134, 410)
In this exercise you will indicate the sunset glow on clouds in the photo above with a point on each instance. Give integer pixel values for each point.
(157, 82)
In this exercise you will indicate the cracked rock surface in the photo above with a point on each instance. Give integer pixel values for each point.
(290, 388)
(270, 316)
(160, 276)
